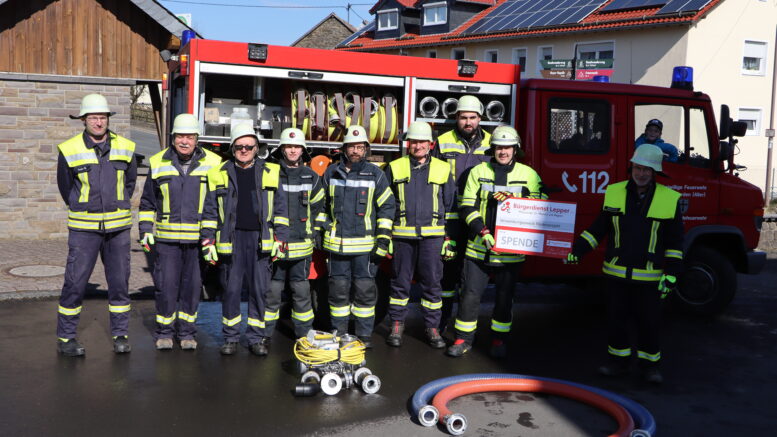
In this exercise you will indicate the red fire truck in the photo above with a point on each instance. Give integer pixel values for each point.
(578, 135)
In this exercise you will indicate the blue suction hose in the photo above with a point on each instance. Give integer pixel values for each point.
(421, 404)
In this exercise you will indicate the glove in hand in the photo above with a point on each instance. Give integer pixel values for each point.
(209, 252)
(147, 241)
(448, 251)
(666, 284)
(572, 259)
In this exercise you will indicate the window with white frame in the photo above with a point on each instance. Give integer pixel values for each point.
(458, 54)
(431, 54)
(519, 58)
(751, 116)
(754, 58)
(602, 50)
(388, 20)
(543, 54)
(435, 13)
(491, 56)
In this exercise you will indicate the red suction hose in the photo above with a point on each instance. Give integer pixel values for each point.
(457, 423)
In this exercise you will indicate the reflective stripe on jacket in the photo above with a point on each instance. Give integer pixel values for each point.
(425, 196)
(460, 156)
(305, 200)
(221, 205)
(98, 189)
(478, 207)
(359, 208)
(174, 201)
(645, 235)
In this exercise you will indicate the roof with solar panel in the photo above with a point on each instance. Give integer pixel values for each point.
(507, 19)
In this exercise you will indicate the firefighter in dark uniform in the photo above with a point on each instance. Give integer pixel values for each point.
(644, 230)
(425, 192)
(463, 147)
(305, 197)
(173, 200)
(245, 199)
(356, 227)
(488, 184)
(96, 177)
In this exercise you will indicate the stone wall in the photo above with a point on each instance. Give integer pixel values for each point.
(34, 118)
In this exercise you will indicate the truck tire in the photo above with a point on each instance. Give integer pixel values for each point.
(707, 284)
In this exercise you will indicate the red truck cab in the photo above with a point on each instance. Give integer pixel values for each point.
(580, 136)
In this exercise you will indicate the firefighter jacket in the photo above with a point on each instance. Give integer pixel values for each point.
(97, 185)
(359, 208)
(305, 198)
(174, 200)
(425, 196)
(220, 212)
(460, 154)
(478, 207)
(644, 235)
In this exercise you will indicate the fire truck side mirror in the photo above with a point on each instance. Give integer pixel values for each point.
(738, 128)
(725, 122)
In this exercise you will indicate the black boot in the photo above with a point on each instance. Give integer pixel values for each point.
(615, 367)
(434, 338)
(121, 345)
(395, 337)
(228, 348)
(261, 348)
(458, 348)
(70, 348)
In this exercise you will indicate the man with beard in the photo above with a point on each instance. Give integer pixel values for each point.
(463, 148)
(357, 233)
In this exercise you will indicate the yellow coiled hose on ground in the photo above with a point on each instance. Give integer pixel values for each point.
(310, 354)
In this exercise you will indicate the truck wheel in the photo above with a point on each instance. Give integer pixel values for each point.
(708, 283)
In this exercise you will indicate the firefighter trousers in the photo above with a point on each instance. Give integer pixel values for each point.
(451, 281)
(83, 248)
(179, 284)
(360, 271)
(247, 265)
(474, 280)
(422, 258)
(296, 271)
(634, 304)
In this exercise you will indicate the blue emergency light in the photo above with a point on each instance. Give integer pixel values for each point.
(601, 78)
(187, 36)
(682, 78)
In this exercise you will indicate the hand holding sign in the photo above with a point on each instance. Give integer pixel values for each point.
(535, 227)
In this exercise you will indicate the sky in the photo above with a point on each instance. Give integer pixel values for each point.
(265, 21)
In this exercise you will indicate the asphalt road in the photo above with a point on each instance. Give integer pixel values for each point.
(146, 141)
(721, 377)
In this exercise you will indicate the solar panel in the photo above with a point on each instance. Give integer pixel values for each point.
(521, 14)
(367, 27)
(683, 6)
(618, 5)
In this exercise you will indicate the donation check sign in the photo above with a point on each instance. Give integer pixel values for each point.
(535, 227)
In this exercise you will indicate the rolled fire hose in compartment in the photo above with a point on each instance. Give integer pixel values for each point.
(449, 107)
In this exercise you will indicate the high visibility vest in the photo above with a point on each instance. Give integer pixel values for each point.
(432, 211)
(179, 218)
(453, 150)
(522, 181)
(89, 213)
(663, 206)
(218, 181)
